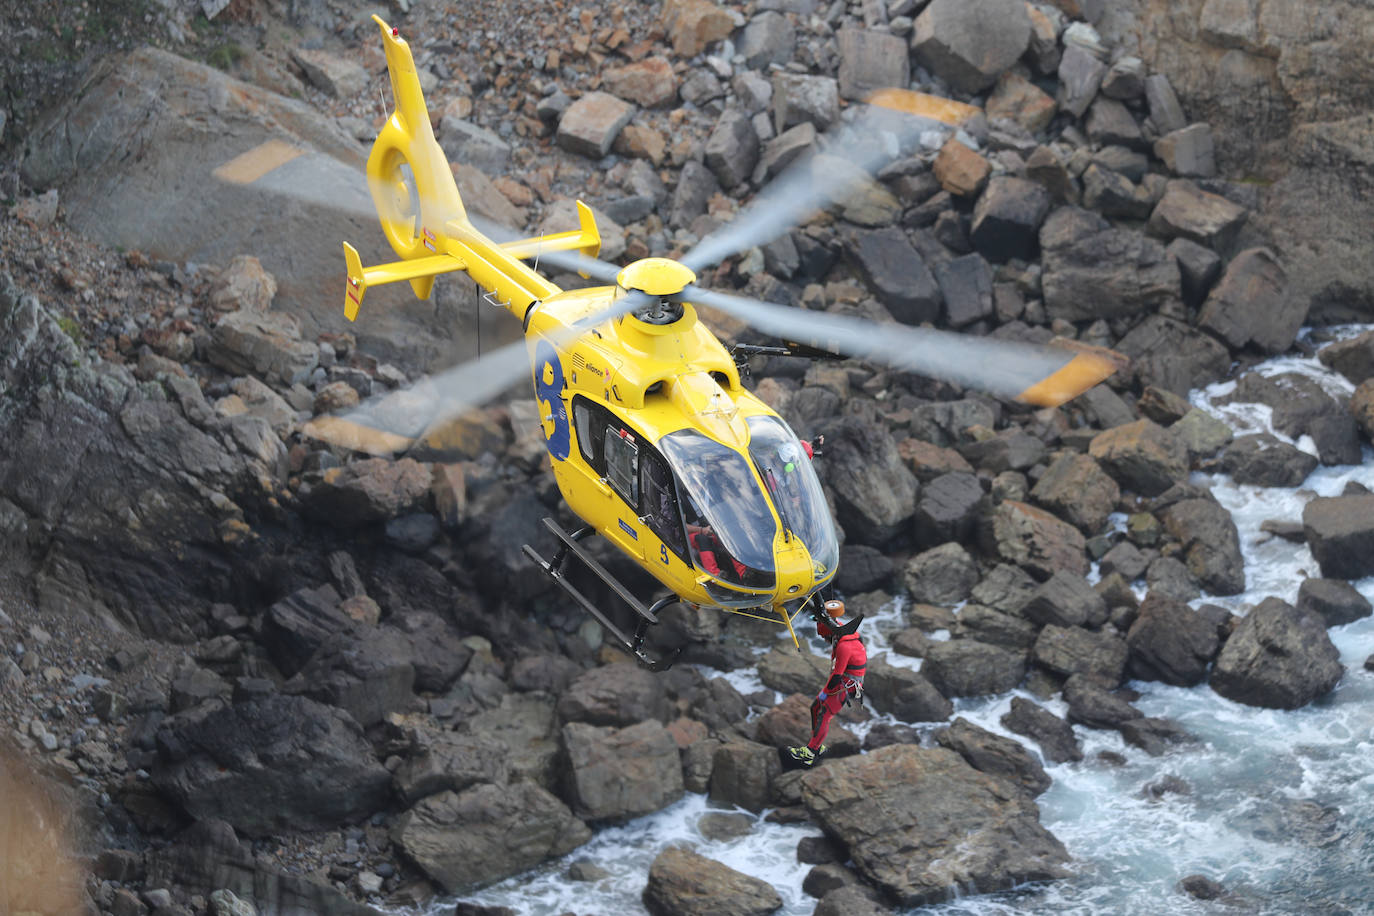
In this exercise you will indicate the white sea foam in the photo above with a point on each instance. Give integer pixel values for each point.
(1130, 845)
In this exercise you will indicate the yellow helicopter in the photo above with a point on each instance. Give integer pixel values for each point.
(654, 441)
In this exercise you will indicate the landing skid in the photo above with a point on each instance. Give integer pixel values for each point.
(557, 569)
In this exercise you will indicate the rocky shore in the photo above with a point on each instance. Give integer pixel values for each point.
(266, 675)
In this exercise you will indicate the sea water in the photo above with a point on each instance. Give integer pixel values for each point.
(1277, 806)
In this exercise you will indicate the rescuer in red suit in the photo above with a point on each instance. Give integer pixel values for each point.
(849, 660)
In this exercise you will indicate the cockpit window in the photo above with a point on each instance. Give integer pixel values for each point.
(730, 529)
(796, 491)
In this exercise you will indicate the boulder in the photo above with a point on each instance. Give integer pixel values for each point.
(1352, 358)
(923, 826)
(947, 509)
(961, 170)
(1340, 533)
(1188, 152)
(451, 762)
(788, 671)
(968, 45)
(268, 766)
(1006, 588)
(1187, 211)
(685, 883)
(1017, 99)
(1335, 602)
(1053, 734)
(906, 694)
(1165, 111)
(620, 694)
(1211, 543)
(966, 286)
(801, 98)
(1142, 456)
(1036, 541)
(591, 123)
(1171, 355)
(968, 668)
(1198, 269)
(1115, 195)
(732, 149)
(267, 344)
(371, 490)
(1080, 76)
(693, 25)
(1015, 634)
(1202, 434)
(742, 773)
(875, 493)
(896, 273)
(870, 60)
(618, 774)
(1110, 123)
(649, 83)
(463, 840)
(1094, 706)
(1252, 304)
(1011, 449)
(1265, 460)
(1067, 600)
(942, 575)
(1074, 650)
(1093, 270)
(369, 673)
(1077, 489)
(1278, 657)
(1007, 219)
(1170, 642)
(995, 755)
(768, 38)
(527, 724)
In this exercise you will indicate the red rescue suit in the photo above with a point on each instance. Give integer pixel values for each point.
(849, 660)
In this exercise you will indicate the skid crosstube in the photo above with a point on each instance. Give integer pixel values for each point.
(647, 616)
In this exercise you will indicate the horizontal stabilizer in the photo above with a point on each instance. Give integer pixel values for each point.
(360, 278)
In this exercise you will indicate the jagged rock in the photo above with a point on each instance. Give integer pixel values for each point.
(875, 494)
(474, 146)
(692, 25)
(1006, 588)
(1334, 601)
(1080, 76)
(1189, 212)
(1126, 560)
(1114, 195)
(464, 840)
(793, 672)
(1199, 268)
(732, 150)
(1094, 706)
(1093, 270)
(1007, 219)
(1036, 541)
(1044, 167)
(649, 83)
(1165, 111)
(1011, 449)
(1170, 576)
(208, 859)
(295, 627)
(269, 766)
(371, 490)
(439, 656)
(451, 762)
(947, 509)
(367, 673)
(1017, 99)
(1053, 734)
(618, 774)
(896, 273)
(1067, 600)
(1212, 542)
(719, 705)
(685, 883)
(621, 694)
(995, 755)
(1252, 304)
(591, 123)
(968, 45)
(966, 287)
(1301, 406)
(968, 668)
(267, 344)
(941, 575)
(243, 284)
(960, 170)
(984, 624)
(1188, 152)
(769, 38)
(1278, 657)
(947, 422)
(1074, 650)
(1154, 735)
(799, 98)
(1170, 642)
(1265, 460)
(869, 60)
(1076, 488)
(1142, 456)
(527, 724)
(742, 772)
(1172, 356)
(863, 568)
(789, 725)
(782, 150)
(921, 823)
(1202, 434)
(1109, 123)
(904, 693)
(1353, 358)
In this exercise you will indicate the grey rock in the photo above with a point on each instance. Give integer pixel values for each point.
(1265, 460)
(591, 124)
(995, 755)
(741, 774)
(1080, 76)
(896, 273)
(1251, 304)
(620, 694)
(947, 509)
(1053, 734)
(1335, 602)
(966, 667)
(618, 774)
(1093, 270)
(799, 98)
(685, 883)
(969, 44)
(875, 493)
(768, 38)
(1074, 650)
(904, 693)
(1066, 600)
(942, 575)
(1188, 152)
(1278, 657)
(1211, 542)
(1007, 218)
(732, 149)
(870, 60)
(1170, 642)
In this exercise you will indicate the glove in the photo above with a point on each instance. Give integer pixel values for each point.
(821, 696)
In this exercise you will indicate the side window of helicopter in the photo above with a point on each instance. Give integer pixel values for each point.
(622, 463)
(660, 504)
(591, 421)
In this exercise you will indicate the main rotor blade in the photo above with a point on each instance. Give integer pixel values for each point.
(821, 177)
(398, 421)
(1045, 376)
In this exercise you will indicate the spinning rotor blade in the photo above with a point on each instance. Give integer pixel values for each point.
(398, 421)
(1044, 376)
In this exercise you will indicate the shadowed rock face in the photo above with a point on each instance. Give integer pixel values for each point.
(921, 824)
(1278, 657)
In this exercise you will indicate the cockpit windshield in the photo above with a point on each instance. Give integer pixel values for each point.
(730, 528)
(795, 488)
